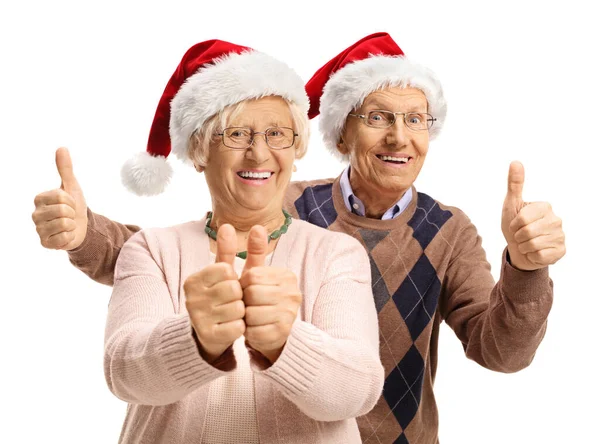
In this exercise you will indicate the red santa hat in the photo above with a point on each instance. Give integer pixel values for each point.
(373, 63)
(211, 76)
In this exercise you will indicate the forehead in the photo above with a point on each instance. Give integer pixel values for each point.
(397, 98)
(271, 110)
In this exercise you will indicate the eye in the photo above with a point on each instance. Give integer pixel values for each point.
(275, 132)
(414, 119)
(380, 119)
(239, 133)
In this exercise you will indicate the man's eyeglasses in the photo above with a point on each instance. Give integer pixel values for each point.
(239, 138)
(385, 119)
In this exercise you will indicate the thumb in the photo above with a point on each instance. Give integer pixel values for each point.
(64, 165)
(516, 179)
(257, 247)
(226, 244)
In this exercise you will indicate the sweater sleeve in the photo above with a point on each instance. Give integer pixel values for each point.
(151, 356)
(330, 368)
(98, 253)
(500, 325)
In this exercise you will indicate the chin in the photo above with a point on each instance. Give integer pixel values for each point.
(397, 185)
(260, 204)
(254, 205)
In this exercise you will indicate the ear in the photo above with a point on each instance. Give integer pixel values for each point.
(342, 147)
(199, 168)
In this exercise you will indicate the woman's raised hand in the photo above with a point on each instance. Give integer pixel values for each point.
(214, 299)
(271, 296)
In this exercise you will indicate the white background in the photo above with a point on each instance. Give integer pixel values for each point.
(521, 79)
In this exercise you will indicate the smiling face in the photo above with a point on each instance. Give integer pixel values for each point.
(254, 179)
(386, 161)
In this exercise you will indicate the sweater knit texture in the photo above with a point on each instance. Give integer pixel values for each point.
(153, 362)
(427, 266)
(231, 403)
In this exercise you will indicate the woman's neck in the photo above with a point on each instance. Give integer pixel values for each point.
(270, 219)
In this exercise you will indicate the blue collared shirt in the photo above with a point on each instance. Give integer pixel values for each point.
(354, 204)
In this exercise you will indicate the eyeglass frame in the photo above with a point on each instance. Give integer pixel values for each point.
(254, 133)
(363, 117)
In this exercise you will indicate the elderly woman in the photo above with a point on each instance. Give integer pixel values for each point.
(378, 113)
(207, 347)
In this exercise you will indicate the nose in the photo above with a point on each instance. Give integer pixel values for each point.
(259, 151)
(397, 133)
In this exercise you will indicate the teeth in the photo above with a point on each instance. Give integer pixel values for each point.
(394, 159)
(252, 175)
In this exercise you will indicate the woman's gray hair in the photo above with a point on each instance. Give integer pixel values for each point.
(207, 136)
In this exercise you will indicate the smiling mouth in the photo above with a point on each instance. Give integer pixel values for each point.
(398, 160)
(250, 175)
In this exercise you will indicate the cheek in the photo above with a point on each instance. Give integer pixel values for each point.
(230, 163)
(220, 169)
(285, 160)
(421, 146)
(363, 143)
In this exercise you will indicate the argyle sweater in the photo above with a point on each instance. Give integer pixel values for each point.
(427, 266)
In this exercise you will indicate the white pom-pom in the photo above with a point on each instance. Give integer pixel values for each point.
(146, 175)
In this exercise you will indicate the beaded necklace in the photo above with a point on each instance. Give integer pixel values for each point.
(243, 254)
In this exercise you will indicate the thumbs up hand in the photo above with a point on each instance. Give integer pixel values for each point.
(532, 231)
(60, 215)
(272, 299)
(213, 298)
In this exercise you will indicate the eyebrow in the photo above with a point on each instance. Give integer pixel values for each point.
(414, 108)
(270, 125)
(277, 123)
(376, 104)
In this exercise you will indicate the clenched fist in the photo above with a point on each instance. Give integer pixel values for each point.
(271, 297)
(214, 299)
(533, 232)
(60, 215)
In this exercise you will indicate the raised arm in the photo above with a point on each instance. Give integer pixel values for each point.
(64, 222)
(151, 354)
(97, 255)
(500, 325)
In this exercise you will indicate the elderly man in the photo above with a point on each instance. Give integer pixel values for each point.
(378, 112)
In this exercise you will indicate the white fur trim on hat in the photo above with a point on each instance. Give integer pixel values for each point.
(146, 175)
(229, 80)
(347, 89)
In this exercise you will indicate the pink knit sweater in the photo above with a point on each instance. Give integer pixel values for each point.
(328, 373)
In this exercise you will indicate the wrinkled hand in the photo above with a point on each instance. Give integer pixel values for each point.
(60, 215)
(214, 299)
(533, 232)
(271, 296)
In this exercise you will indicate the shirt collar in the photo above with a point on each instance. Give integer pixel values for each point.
(354, 204)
